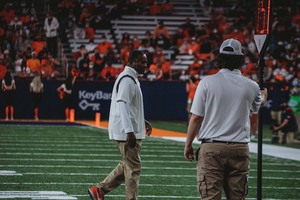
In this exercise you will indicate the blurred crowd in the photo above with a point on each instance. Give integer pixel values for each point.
(29, 44)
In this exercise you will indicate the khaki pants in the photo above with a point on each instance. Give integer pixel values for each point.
(276, 116)
(289, 138)
(223, 166)
(128, 171)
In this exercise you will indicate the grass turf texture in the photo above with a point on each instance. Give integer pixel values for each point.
(72, 159)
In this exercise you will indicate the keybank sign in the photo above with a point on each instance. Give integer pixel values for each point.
(91, 99)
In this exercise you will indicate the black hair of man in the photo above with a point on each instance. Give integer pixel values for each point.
(135, 54)
(230, 62)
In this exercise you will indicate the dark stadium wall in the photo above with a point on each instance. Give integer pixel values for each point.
(163, 100)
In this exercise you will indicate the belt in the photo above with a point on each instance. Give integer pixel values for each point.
(218, 141)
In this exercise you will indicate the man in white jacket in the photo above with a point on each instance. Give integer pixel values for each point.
(127, 128)
(51, 26)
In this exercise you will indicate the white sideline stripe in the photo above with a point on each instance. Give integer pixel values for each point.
(175, 197)
(144, 168)
(269, 150)
(35, 195)
(141, 185)
(103, 174)
(90, 139)
(9, 173)
(97, 167)
(144, 161)
(88, 160)
(90, 154)
(87, 150)
(148, 175)
(67, 141)
(91, 145)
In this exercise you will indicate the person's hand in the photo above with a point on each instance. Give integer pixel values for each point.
(131, 140)
(274, 128)
(148, 128)
(188, 152)
(264, 94)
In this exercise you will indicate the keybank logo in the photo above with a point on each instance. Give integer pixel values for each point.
(91, 99)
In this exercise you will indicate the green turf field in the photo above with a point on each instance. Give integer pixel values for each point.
(64, 161)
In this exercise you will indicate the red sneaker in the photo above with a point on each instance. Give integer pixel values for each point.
(95, 194)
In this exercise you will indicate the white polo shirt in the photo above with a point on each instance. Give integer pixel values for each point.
(225, 100)
(130, 93)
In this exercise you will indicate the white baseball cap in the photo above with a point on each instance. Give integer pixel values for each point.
(234, 47)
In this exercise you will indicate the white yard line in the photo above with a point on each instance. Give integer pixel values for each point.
(9, 173)
(13, 173)
(268, 150)
(36, 195)
(144, 168)
(141, 185)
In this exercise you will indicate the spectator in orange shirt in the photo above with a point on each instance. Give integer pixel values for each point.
(191, 87)
(238, 35)
(167, 8)
(161, 29)
(38, 44)
(193, 46)
(195, 67)
(178, 38)
(49, 65)
(249, 67)
(136, 41)
(156, 72)
(25, 18)
(158, 55)
(104, 45)
(3, 69)
(109, 72)
(33, 63)
(89, 32)
(125, 52)
(166, 69)
(8, 13)
(155, 9)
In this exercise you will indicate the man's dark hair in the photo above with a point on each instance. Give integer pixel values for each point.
(135, 54)
(230, 62)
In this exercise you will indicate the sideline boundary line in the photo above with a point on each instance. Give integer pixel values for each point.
(268, 149)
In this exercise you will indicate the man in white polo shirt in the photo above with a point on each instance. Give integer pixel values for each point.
(127, 127)
(220, 119)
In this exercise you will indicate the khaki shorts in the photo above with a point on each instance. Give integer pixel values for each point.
(223, 166)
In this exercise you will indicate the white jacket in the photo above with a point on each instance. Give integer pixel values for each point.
(129, 91)
(51, 29)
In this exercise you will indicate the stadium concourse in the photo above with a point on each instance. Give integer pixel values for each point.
(268, 149)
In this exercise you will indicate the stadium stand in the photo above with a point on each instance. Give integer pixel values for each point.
(213, 20)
